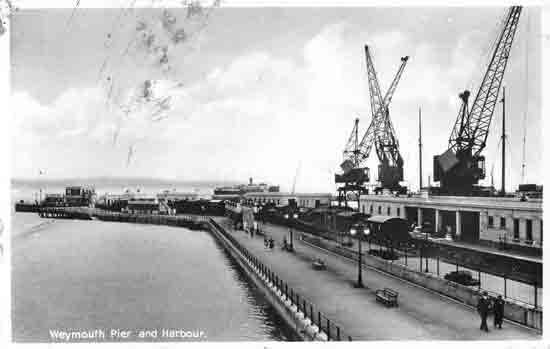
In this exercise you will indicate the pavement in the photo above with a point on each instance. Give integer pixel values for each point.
(421, 315)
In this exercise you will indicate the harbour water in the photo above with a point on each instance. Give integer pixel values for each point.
(92, 275)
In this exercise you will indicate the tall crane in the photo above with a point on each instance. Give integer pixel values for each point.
(390, 169)
(461, 167)
(380, 134)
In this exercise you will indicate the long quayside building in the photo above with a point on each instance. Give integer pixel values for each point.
(486, 220)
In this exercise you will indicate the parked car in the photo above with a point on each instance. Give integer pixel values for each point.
(462, 277)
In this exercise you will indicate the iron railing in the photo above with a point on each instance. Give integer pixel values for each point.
(332, 329)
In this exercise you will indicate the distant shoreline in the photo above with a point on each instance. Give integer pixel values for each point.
(105, 181)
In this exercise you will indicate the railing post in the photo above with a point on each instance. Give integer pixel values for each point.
(338, 333)
(319, 321)
(504, 287)
(536, 295)
(328, 329)
(311, 313)
(479, 278)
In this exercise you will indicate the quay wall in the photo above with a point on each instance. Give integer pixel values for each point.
(527, 316)
(282, 309)
(306, 316)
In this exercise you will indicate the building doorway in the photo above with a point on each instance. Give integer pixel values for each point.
(470, 226)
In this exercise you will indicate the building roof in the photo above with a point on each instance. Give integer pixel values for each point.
(465, 202)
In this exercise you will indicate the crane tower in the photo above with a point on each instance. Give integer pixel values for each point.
(380, 134)
(461, 166)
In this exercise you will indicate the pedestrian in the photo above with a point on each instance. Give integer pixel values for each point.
(271, 243)
(483, 310)
(265, 241)
(499, 311)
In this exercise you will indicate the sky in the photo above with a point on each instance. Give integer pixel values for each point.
(264, 92)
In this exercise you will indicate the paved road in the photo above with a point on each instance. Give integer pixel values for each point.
(421, 315)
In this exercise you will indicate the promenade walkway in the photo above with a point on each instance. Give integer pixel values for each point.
(421, 315)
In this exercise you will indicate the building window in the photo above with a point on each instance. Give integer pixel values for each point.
(399, 212)
(491, 222)
(371, 209)
(529, 230)
(363, 209)
(503, 222)
(516, 229)
(379, 209)
(389, 211)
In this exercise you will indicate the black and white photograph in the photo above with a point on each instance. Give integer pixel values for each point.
(212, 171)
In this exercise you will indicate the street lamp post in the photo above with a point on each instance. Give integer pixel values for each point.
(291, 215)
(357, 229)
(426, 252)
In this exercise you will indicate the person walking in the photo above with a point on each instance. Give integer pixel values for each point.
(499, 312)
(483, 310)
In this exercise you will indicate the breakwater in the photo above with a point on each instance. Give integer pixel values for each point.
(187, 221)
(193, 222)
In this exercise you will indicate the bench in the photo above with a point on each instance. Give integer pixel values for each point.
(387, 296)
(319, 264)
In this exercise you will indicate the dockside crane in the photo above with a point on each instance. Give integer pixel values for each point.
(461, 166)
(390, 169)
(379, 134)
